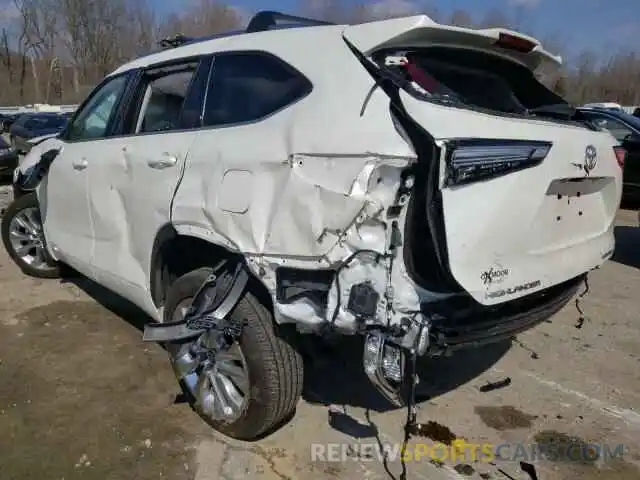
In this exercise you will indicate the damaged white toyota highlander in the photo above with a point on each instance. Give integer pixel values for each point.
(413, 183)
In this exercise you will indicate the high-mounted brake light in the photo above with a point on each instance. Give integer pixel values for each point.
(621, 153)
(513, 42)
(475, 159)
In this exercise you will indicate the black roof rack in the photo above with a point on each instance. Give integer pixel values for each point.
(260, 22)
(268, 20)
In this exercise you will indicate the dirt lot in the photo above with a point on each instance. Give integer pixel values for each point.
(82, 397)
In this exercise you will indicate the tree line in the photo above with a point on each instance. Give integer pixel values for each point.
(55, 51)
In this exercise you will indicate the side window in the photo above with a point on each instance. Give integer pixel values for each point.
(617, 129)
(93, 119)
(163, 98)
(248, 86)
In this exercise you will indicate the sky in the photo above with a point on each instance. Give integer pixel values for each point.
(601, 26)
(577, 25)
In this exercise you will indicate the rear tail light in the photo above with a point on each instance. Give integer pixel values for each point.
(621, 153)
(472, 160)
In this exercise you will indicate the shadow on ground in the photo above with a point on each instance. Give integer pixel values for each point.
(334, 373)
(111, 301)
(627, 246)
(339, 378)
(82, 398)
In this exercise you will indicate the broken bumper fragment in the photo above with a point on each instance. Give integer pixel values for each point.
(209, 310)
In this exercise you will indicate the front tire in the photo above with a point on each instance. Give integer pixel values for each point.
(23, 238)
(273, 369)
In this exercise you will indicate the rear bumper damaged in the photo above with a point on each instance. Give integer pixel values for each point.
(366, 283)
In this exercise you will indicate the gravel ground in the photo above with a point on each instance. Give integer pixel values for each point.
(82, 397)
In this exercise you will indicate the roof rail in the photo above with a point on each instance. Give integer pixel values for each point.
(267, 20)
(174, 41)
(261, 21)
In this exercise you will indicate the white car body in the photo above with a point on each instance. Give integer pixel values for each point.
(319, 183)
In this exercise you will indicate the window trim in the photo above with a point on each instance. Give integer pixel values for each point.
(113, 121)
(287, 65)
(132, 108)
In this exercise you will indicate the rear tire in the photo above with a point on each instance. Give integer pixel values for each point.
(275, 367)
(23, 238)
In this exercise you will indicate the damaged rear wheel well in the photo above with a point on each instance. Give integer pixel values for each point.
(175, 255)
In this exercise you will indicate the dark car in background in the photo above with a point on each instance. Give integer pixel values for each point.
(8, 160)
(626, 129)
(6, 120)
(32, 125)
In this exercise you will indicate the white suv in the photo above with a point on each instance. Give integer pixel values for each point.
(409, 181)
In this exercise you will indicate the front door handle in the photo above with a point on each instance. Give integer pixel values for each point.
(164, 162)
(80, 164)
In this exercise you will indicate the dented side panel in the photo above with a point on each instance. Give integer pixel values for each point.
(130, 193)
(309, 191)
(305, 175)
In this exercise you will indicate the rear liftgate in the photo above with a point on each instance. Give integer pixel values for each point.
(563, 178)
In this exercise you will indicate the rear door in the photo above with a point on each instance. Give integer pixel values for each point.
(527, 201)
(131, 190)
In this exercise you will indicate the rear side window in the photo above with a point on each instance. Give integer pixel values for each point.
(249, 86)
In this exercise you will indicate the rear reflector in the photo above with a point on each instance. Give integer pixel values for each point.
(621, 153)
(513, 42)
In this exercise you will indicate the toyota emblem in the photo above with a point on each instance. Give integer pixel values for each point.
(590, 158)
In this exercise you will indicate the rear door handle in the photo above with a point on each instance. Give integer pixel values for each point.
(164, 162)
(80, 164)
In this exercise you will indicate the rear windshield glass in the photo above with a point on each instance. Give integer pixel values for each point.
(482, 80)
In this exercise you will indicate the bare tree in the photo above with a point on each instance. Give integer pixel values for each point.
(495, 19)
(38, 38)
(206, 17)
(56, 50)
(461, 18)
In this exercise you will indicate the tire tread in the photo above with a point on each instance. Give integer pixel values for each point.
(277, 392)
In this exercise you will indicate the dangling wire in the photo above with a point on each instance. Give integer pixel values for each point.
(583, 318)
(411, 382)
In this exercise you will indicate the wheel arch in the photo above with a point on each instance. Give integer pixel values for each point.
(175, 253)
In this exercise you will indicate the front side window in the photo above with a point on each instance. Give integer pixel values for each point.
(248, 86)
(93, 120)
